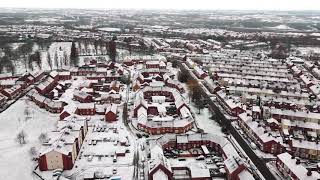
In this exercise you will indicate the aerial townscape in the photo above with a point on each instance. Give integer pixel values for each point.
(118, 94)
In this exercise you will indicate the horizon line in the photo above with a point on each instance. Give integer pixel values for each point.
(164, 9)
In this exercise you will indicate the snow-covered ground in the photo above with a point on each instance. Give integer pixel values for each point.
(57, 51)
(204, 122)
(308, 50)
(282, 27)
(54, 50)
(15, 159)
(104, 147)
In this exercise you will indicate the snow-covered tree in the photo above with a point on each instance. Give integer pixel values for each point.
(33, 152)
(49, 60)
(21, 137)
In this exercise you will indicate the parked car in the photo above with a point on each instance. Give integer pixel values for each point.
(201, 157)
(220, 164)
(253, 146)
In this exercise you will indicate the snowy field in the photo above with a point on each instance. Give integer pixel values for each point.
(15, 159)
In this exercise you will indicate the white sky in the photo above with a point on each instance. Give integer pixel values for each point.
(169, 4)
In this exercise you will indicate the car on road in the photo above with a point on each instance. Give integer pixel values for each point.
(201, 157)
(253, 145)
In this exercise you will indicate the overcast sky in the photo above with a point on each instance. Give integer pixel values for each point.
(169, 4)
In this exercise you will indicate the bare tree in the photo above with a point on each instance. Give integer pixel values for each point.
(21, 137)
(43, 137)
(55, 60)
(33, 152)
(49, 60)
(74, 53)
(66, 59)
(27, 111)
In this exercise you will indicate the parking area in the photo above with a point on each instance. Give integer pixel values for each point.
(196, 163)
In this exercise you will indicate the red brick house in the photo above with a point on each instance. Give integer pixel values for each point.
(232, 106)
(12, 92)
(152, 64)
(141, 104)
(28, 78)
(199, 72)
(38, 75)
(234, 165)
(111, 113)
(54, 107)
(260, 135)
(110, 98)
(86, 109)
(160, 169)
(62, 146)
(82, 97)
(39, 100)
(291, 168)
(63, 160)
(54, 75)
(46, 86)
(68, 111)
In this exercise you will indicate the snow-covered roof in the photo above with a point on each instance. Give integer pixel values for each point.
(315, 89)
(81, 94)
(158, 98)
(297, 114)
(112, 108)
(86, 105)
(182, 139)
(232, 163)
(54, 74)
(297, 169)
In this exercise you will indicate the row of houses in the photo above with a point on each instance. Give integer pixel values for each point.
(61, 146)
(98, 72)
(284, 120)
(159, 164)
(160, 110)
(266, 140)
(46, 103)
(198, 71)
(276, 136)
(307, 78)
(312, 68)
(89, 109)
(17, 85)
(291, 168)
(155, 61)
(232, 105)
